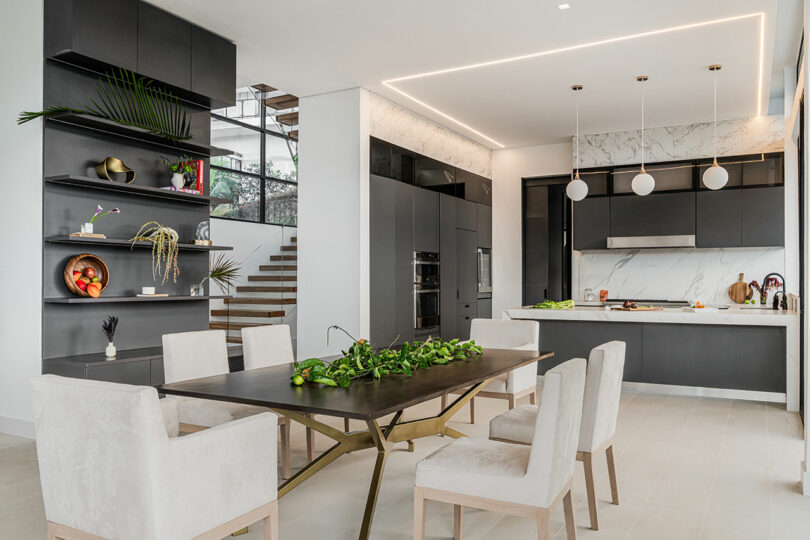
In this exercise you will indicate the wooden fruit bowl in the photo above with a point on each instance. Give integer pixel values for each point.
(78, 263)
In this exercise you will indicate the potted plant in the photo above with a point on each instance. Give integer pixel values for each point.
(108, 327)
(181, 170)
(164, 249)
(224, 272)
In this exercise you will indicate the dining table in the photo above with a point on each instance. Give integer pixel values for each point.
(367, 400)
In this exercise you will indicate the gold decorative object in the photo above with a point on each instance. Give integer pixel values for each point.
(114, 165)
(203, 242)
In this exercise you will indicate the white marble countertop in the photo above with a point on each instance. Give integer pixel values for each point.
(732, 316)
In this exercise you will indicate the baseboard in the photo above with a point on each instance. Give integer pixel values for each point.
(17, 427)
(700, 391)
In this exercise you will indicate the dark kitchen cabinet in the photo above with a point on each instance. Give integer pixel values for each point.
(425, 220)
(657, 214)
(435, 175)
(106, 32)
(382, 197)
(484, 226)
(213, 67)
(449, 265)
(763, 216)
(403, 262)
(467, 272)
(121, 372)
(719, 218)
(380, 158)
(763, 171)
(466, 313)
(164, 46)
(473, 187)
(466, 215)
(484, 308)
(591, 223)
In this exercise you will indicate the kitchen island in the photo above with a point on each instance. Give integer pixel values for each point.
(741, 353)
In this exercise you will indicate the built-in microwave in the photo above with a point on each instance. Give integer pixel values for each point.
(426, 267)
(484, 273)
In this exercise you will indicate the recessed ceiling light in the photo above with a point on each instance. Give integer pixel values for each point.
(563, 6)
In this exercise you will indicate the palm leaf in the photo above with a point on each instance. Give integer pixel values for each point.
(130, 100)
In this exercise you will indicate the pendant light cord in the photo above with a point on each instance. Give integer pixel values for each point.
(576, 163)
(642, 125)
(715, 117)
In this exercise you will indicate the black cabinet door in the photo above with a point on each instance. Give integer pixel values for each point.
(484, 308)
(658, 214)
(213, 67)
(466, 215)
(425, 220)
(719, 218)
(449, 265)
(467, 271)
(382, 276)
(403, 269)
(105, 31)
(473, 187)
(591, 223)
(435, 175)
(465, 314)
(122, 372)
(164, 46)
(484, 226)
(763, 217)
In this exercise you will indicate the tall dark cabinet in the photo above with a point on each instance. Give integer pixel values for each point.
(546, 251)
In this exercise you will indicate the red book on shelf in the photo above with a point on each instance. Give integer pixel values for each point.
(197, 174)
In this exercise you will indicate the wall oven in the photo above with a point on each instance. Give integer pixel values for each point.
(426, 291)
(484, 273)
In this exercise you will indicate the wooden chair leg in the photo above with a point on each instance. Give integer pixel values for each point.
(346, 425)
(511, 401)
(587, 462)
(614, 485)
(568, 510)
(472, 410)
(543, 529)
(310, 441)
(271, 524)
(533, 398)
(458, 517)
(419, 504)
(285, 448)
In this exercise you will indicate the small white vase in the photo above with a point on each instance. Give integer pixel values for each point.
(178, 180)
(110, 351)
(87, 228)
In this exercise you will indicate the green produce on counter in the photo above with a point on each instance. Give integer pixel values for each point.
(550, 304)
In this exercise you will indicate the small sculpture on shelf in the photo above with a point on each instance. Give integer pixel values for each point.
(111, 167)
(87, 228)
(202, 234)
(108, 327)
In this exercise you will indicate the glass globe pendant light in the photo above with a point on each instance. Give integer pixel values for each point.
(576, 189)
(715, 176)
(643, 183)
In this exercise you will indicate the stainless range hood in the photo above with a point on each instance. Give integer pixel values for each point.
(640, 242)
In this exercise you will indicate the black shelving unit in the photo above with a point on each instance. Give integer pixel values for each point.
(113, 242)
(110, 127)
(133, 189)
(127, 299)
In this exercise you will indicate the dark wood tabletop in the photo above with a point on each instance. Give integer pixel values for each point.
(364, 399)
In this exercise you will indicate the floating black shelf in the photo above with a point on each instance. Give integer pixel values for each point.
(134, 189)
(113, 242)
(126, 299)
(130, 132)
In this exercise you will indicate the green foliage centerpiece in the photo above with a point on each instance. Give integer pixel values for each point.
(130, 100)
(362, 361)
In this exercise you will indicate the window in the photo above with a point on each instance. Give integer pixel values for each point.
(260, 176)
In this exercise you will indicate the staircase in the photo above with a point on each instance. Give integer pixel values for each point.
(269, 298)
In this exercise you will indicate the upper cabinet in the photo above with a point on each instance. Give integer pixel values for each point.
(106, 32)
(591, 223)
(657, 214)
(425, 220)
(484, 226)
(164, 46)
(763, 217)
(435, 175)
(186, 60)
(473, 187)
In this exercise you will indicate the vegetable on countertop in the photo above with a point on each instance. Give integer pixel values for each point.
(550, 304)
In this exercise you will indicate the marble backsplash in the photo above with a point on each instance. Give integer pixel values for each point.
(689, 141)
(674, 274)
(392, 123)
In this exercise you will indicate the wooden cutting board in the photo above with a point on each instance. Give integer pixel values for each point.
(637, 309)
(739, 291)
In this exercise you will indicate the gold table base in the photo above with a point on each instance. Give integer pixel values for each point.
(382, 439)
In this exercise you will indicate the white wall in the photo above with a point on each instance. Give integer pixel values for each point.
(333, 218)
(21, 218)
(397, 125)
(508, 167)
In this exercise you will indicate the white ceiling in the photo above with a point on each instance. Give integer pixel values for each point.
(308, 47)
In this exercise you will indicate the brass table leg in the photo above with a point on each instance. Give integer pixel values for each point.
(383, 449)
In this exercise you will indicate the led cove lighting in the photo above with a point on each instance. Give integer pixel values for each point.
(563, 6)
(389, 82)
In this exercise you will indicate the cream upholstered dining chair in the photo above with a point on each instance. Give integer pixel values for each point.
(528, 481)
(507, 334)
(271, 345)
(109, 468)
(600, 410)
(192, 355)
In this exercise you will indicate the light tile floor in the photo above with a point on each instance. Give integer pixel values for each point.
(688, 468)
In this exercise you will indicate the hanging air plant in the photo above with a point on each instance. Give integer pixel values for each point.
(130, 100)
(164, 249)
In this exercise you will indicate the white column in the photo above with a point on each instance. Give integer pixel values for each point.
(333, 220)
(21, 218)
(805, 474)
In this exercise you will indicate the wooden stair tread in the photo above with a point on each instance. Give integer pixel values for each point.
(288, 119)
(283, 257)
(272, 278)
(217, 325)
(286, 101)
(233, 340)
(259, 313)
(257, 300)
(277, 267)
(261, 87)
(294, 239)
(293, 134)
(289, 248)
(266, 288)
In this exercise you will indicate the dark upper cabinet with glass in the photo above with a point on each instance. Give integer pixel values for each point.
(435, 175)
